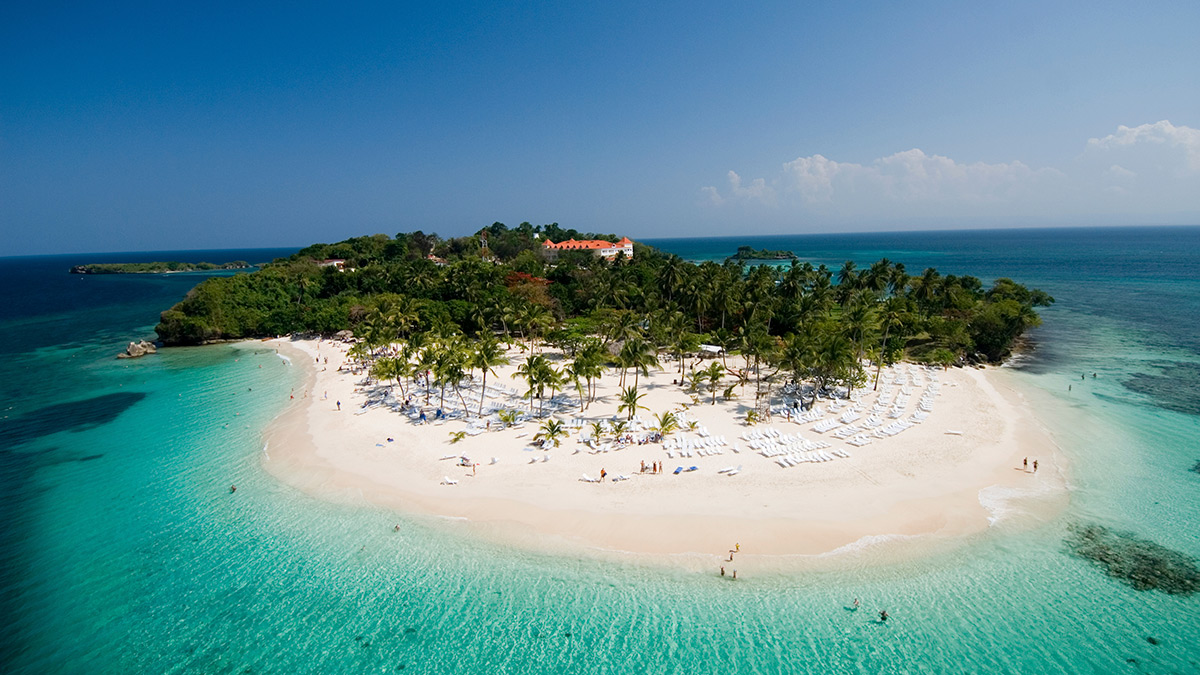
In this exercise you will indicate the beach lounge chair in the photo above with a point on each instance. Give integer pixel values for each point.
(678, 470)
(447, 480)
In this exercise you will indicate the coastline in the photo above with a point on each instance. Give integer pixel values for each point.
(919, 491)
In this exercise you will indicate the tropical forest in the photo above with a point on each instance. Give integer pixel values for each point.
(450, 303)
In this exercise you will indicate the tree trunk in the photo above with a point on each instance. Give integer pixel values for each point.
(879, 366)
(483, 392)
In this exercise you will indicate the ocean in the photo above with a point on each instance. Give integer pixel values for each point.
(123, 551)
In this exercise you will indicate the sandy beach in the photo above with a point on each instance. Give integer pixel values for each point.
(955, 473)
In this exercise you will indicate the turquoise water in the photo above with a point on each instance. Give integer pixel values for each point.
(124, 552)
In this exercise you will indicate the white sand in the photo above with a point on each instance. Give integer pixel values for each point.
(922, 481)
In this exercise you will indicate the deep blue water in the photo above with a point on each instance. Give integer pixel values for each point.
(122, 553)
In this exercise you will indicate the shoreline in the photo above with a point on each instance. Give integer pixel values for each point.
(921, 490)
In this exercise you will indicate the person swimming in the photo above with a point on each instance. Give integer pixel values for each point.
(883, 616)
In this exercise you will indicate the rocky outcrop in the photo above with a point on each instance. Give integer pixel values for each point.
(136, 349)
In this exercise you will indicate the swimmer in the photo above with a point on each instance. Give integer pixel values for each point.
(856, 603)
(232, 489)
(883, 616)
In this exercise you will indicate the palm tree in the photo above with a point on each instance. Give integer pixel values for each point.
(383, 369)
(589, 363)
(638, 354)
(893, 316)
(672, 276)
(554, 379)
(508, 417)
(449, 369)
(576, 374)
(631, 401)
(667, 423)
(597, 430)
(533, 371)
(485, 357)
(714, 374)
(860, 321)
(550, 432)
(539, 374)
(425, 363)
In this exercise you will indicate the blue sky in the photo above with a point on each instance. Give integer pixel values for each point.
(151, 126)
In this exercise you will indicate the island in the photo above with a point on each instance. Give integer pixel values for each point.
(157, 267)
(643, 404)
(745, 253)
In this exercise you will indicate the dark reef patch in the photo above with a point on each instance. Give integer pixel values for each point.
(1144, 565)
(71, 416)
(1173, 387)
(1197, 467)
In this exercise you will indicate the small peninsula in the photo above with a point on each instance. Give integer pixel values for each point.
(745, 253)
(157, 267)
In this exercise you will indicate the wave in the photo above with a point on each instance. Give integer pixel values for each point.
(1001, 501)
(868, 541)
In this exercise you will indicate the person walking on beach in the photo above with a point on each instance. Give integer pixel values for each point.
(1026, 464)
(722, 570)
(603, 473)
(1035, 466)
(735, 575)
(339, 405)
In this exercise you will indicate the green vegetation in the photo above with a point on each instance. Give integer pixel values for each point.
(746, 253)
(421, 318)
(157, 267)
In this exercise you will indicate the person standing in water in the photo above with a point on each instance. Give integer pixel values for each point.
(883, 616)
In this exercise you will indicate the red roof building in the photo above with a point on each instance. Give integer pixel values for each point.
(604, 249)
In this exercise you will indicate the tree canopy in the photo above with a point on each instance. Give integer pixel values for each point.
(812, 322)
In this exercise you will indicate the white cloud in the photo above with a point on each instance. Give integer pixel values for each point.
(1182, 142)
(911, 176)
(711, 196)
(1118, 172)
(757, 190)
(1149, 169)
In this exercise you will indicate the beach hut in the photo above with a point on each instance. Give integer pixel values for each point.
(711, 351)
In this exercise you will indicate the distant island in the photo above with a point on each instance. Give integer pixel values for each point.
(748, 253)
(157, 267)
